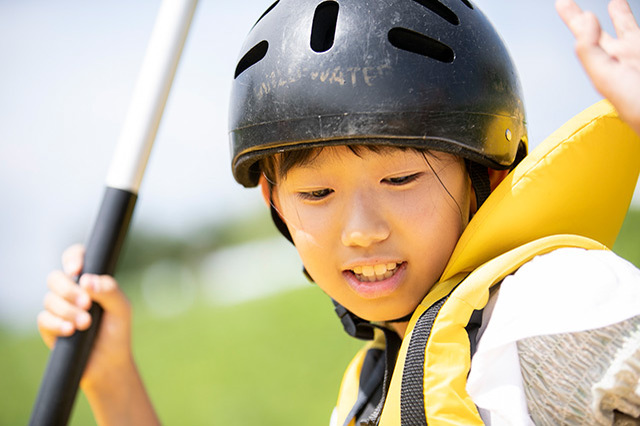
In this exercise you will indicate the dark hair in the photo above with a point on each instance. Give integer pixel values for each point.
(275, 167)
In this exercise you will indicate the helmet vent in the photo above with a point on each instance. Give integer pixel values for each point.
(323, 30)
(253, 56)
(468, 4)
(266, 11)
(414, 42)
(441, 10)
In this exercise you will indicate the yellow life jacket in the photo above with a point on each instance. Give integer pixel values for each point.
(573, 190)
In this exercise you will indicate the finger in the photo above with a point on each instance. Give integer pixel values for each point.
(67, 289)
(611, 45)
(72, 259)
(588, 36)
(66, 311)
(584, 25)
(104, 290)
(587, 28)
(596, 61)
(607, 41)
(622, 17)
(51, 327)
(568, 11)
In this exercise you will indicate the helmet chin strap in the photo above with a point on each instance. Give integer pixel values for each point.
(405, 318)
(479, 176)
(353, 324)
(360, 328)
(282, 227)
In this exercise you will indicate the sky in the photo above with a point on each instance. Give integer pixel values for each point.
(68, 72)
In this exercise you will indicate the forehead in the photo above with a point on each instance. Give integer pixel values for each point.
(370, 154)
(335, 159)
(359, 154)
(339, 161)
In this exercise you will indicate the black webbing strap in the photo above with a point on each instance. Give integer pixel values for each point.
(392, 344)
(366, 392)
(412, 392)
(282, 227)
(479, 176)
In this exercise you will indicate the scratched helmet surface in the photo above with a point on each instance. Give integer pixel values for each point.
(420, 73)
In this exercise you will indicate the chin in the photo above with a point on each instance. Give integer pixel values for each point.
(386, 315)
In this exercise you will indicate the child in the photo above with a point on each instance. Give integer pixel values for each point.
(376, 134)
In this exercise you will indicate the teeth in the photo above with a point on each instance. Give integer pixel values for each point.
(368, 271)
(372, 273)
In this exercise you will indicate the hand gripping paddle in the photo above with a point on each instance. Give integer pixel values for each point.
(68, 359)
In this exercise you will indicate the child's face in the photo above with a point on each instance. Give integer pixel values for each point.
(375, 230)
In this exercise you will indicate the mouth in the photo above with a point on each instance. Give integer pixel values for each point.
(375, 281)
(375, 273)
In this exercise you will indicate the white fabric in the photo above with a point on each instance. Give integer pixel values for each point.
(564, 291)
(333, 421)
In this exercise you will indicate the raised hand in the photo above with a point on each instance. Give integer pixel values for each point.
(612, 64)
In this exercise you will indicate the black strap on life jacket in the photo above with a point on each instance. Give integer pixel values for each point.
(379, 376)
(392, 347)
(412, 390)
(370, 386)
(412, 401)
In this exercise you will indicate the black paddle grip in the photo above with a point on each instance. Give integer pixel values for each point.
(69, 357)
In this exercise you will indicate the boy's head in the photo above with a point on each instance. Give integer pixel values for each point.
(381, 115)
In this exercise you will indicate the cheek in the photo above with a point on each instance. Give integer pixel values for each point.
(435, 219)
(312, 230)
(304, 223)
(429, 209)
(455, 202)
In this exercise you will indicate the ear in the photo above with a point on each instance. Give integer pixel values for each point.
(496, 176)
(265, 188)
(269, 194)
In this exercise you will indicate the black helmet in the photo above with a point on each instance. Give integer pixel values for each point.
(419, 73)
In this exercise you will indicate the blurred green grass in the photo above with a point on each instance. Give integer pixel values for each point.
(628, 243)
(275, 361)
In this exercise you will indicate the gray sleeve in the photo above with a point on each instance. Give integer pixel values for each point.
(582, 377)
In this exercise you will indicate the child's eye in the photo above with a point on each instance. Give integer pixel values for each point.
(402, 180)
(316, 195)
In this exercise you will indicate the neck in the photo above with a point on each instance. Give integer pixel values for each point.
(399, 327)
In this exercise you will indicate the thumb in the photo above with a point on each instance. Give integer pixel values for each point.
(104, 290)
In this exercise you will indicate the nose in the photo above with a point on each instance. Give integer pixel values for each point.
(364, 224)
